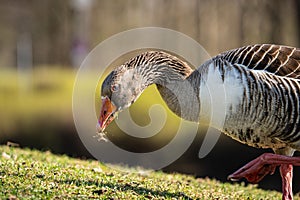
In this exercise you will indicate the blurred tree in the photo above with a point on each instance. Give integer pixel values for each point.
(55, 26)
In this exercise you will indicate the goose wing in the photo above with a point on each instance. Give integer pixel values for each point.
(277, 59)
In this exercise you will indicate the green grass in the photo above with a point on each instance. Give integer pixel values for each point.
(31, 174)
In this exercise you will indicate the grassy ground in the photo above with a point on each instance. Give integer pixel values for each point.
(29, 174)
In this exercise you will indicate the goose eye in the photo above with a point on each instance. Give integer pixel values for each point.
(114, 88)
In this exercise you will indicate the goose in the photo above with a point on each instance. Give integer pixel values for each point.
(262, 108)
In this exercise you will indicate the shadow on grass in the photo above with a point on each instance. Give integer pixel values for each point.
(148, 193)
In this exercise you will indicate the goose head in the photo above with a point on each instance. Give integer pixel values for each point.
(120, 89)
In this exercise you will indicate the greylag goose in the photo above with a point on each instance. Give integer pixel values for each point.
(262, 108)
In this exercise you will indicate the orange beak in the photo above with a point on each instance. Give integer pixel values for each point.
(107, 112)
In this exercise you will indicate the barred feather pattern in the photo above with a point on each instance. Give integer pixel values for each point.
(269, 112)
(276, 59)
(151, 67)
(156, 66)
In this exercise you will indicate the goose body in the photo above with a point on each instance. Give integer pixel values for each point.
(269, 112)
(255, 91)
(262, 108)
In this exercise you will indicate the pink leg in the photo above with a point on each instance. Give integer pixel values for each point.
(286, 172)
(255, 170)
(265, 164)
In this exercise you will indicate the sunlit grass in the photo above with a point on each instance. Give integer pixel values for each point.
(27, 174)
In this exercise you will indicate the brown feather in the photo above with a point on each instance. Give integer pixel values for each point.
(275, 59)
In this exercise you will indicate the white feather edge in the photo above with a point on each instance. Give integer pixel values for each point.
(216, 96)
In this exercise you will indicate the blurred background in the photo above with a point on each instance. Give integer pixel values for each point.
(43, 42)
